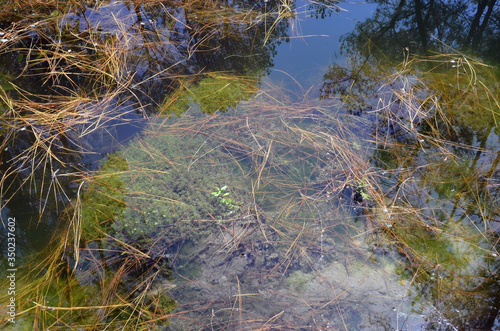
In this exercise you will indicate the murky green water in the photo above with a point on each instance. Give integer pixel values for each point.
(251, 166)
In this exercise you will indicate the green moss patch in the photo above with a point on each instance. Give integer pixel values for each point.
(215, 92)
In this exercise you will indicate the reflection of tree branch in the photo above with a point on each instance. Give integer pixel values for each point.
(394, 18)
(430, 10)
(397, 24)
(477, 29)
(420, 24)
(475, 23)
(485, 22)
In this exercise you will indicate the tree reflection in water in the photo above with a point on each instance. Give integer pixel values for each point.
(424, 25)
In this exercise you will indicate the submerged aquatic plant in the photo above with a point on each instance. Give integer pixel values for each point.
(223, 195)
(214, 92)
(160, 191)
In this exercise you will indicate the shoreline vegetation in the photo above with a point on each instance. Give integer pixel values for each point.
(183, 189)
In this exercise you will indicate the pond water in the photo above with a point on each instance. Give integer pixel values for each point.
(250, 166)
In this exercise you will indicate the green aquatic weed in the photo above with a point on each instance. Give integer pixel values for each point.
(222, 194)
(362, 188)
(178, 196)
(215, 92)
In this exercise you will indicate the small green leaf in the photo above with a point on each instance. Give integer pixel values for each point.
(55, 13)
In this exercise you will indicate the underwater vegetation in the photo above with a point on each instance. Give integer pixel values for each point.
(169, 183)
(215, 92)
(319, 207)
